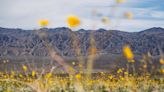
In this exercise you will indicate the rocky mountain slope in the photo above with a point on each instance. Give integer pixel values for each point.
(18, 42)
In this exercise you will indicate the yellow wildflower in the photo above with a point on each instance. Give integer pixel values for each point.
(20, 75)
(73, 21)
(122, 78)
(161, 61)
(71, 70)
(12, 73)
(126, 73)
(129, 15)
(120, 1)
(48, 75)
(128, 53)
(131, 61)
(24, 67)
(119, 71)
(43, 23)
(162, 71)
(33, 73)
(110, 77)
(78, 76)
(102, 73)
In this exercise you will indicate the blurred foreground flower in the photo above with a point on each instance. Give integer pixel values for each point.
(162, 71)
(105, 20)
(33, 73)
(110, 77)
(73, 21)
(161, 61)
(128, 53)
(119, 71)
(128, 15)
(78, 76)
(48, 75)
(24, 67)
(145, 66)
(120, 1)
(20, 75)
(126, 73)
(43, 23)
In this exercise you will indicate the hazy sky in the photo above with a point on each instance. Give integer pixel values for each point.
(25, 13)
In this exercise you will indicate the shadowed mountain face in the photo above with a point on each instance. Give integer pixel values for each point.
(18, 42)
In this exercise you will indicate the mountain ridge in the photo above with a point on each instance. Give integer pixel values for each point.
(19, 42)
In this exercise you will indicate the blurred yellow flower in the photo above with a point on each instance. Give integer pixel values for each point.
(126, 73)
(12, 73)
(43, 23)
(78, 76)
(128, 15)
(131, 61)
(144, 66)
(73, 21)
(119, 71)
(24, 67)
(128, 52)
(105, 20)
(161, 61)
(102, 73)
(71, 70)
(162, 71)
(33, 73)
(120, 1)
(110, 77)
(48, 75)
(122, 78)
(20, 75)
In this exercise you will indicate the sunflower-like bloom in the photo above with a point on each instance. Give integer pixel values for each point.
(128, 53)
(73, 21)
(43, 23)
(161, 61)
(48, 75)
(128, 15)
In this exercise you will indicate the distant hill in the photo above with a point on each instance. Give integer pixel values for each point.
(18, 42)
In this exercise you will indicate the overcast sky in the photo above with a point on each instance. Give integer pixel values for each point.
(25, 13)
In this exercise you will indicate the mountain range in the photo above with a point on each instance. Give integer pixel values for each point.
(19, 42)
